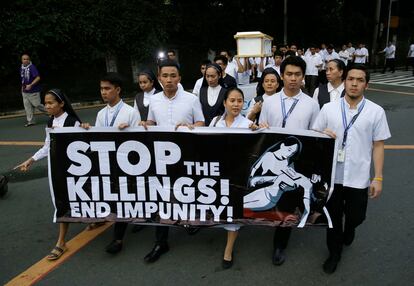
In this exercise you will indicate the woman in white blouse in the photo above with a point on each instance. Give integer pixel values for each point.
(61, 114)
(233, 104)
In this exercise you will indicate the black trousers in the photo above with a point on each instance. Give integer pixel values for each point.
(119, 230)
(389, 63)
(281, 237)
(161, 235)
(348, 202)
(311, 83)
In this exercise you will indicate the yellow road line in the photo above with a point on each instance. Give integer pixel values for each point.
(21, 143)
(43, 267)
(399, 147)
(39, 143)
(391, 91)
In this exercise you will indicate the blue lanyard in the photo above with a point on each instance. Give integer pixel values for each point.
(115, 115)
(286, 115)
(344, 121)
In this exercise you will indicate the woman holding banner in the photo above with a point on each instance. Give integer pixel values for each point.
(61, 114)
(233, 104)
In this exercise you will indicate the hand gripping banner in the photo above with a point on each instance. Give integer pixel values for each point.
(204, 177)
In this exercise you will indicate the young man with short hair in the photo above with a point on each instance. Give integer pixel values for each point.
(172, 107)
(228, 80)
(360, 128)
(289, 108)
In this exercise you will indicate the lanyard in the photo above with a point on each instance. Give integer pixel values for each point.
(115, 115)
(344, 121)
(286, 115)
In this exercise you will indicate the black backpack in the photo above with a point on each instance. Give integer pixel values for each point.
(3, 185)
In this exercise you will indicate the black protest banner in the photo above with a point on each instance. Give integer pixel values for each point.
(203, 177)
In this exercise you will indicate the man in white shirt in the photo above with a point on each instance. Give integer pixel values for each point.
(361, 54)
(360, 128)
(351, 51)
(389, 53)
(410, 56)
(277, 61)
(290, 108)
(172, 107)
(313, 65)
(115, 114)
(344, 55)
(199, 82)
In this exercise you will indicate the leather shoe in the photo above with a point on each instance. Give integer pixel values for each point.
(279, 256)
(156, 253)
(349, 235)
(330, 264)
(226, 264)
(114, 247)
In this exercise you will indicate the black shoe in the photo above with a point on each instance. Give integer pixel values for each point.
(191, 230)
(226, 264)
(137, 228)
(114, 247)
(279, 256)
(156, 253)
(349, 235)
(330, 264)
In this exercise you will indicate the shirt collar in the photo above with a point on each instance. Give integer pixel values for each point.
(284, 96)
(339, 88)
(172, 98)
(358, 105)
(150, 92)
(111, 108)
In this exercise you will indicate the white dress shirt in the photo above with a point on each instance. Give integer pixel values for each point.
(147, 99)
(239, 122)
(302, 116)
(371, 125)
(253, 102)
(57, 122)
(212, 94)
(311, 62)
(184, 107)
(344, 56)
(126, 114)
(389, 52)
(334, 93)
(361, 52)
(197, 86)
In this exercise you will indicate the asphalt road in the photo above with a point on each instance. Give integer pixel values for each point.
(382, 254)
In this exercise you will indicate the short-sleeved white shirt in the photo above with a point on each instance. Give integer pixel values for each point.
(344, 56)
(197, 86)
(371, 125)
(146, 101)
(127, 114)
(362, 52)
(302, 116)
(184, 107)
(239, 122)
(351, 52)
(389, 52)
(411, 51)
(334, 93)
(331, 56)
(57, 122)
(311, 62)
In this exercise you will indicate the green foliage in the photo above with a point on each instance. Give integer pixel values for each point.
(59, 31)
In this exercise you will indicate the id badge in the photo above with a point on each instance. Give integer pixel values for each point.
(341, 155)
